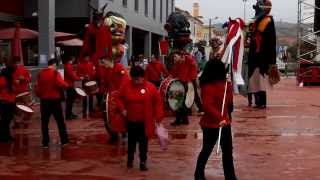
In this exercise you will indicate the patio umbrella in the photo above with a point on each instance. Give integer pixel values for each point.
(9, 33)
(71, 42)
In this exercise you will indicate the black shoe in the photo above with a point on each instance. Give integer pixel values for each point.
(185, 121)
(6, 139)
(45, 146)
(129, 165)
(175, 123)
(143, 167)
(74, 116)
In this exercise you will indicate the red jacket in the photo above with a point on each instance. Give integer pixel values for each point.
(155, 70)
(69, 75)
(212, 99)
(86, 69)
(21, 85)
(142, 103)
(49, 84)
(5, 94)
(186, 71)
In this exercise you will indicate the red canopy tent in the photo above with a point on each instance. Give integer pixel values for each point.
(9, 33)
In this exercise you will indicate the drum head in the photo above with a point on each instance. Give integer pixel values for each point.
(90, 83)
(175, 95)
(23, 94)
(80, 92)
(189, 96)
(24, 108)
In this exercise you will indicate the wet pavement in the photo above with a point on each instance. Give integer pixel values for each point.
(279, 143)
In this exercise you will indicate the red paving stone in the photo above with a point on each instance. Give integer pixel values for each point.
(279, 143)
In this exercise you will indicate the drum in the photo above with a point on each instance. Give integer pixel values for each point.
(80, 94)
(115, 119)
(24, 111)
(173, 92)
(91, 87)
(189, 95)
(24, 98)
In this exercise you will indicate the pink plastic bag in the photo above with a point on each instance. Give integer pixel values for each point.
(163, 136)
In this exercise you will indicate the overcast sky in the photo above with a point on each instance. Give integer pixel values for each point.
(285, 10)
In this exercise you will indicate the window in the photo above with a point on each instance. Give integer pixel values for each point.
(161, 4)
(136, 5)
(125, 3)
(146, 7)
(154, 9)
(167, 9)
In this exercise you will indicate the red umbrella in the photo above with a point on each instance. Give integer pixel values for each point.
(9, 33)
(16, 48)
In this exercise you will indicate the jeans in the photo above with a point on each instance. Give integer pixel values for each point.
(210, 136)
(136, 134)
(48, 108)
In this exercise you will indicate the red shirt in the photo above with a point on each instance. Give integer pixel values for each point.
(69, 75)
(186, 71)
(49, 84)
(5, 94)
(212, 99)
(155, 70)
(86, 68)
(21, 85)
(140, 101)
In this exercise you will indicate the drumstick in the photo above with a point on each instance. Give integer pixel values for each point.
(222, 110)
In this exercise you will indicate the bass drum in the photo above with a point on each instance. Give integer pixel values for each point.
(115, 119)
(24, 111)
(173, 92)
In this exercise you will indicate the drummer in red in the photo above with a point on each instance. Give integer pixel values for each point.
(7, 102)
(70, 77)
(21, 77)
(185, 70)
(87, 71)
(114, 76)
(48, 88)
(156, 71)
(141, 104)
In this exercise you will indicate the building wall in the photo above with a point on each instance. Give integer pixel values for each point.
(138, 19)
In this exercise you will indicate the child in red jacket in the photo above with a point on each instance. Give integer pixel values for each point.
(213, 84)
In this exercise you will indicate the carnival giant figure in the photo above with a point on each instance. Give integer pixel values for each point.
(262, 52)
(183, 68)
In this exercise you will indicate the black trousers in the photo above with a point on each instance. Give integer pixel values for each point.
(210, 136)
(7, 111)
(261, 98)
(85, 101)
(71, 94)
(48, 108)
(136, 134)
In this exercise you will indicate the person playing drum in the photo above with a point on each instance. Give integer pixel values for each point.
(87, 71)
(7, 102)
(48, 89)
(21, 77)
(156, 71)
(114, 76)
(140, 102)
(70, 77)
(185, 70)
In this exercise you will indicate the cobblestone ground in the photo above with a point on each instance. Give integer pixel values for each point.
(279, 143)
